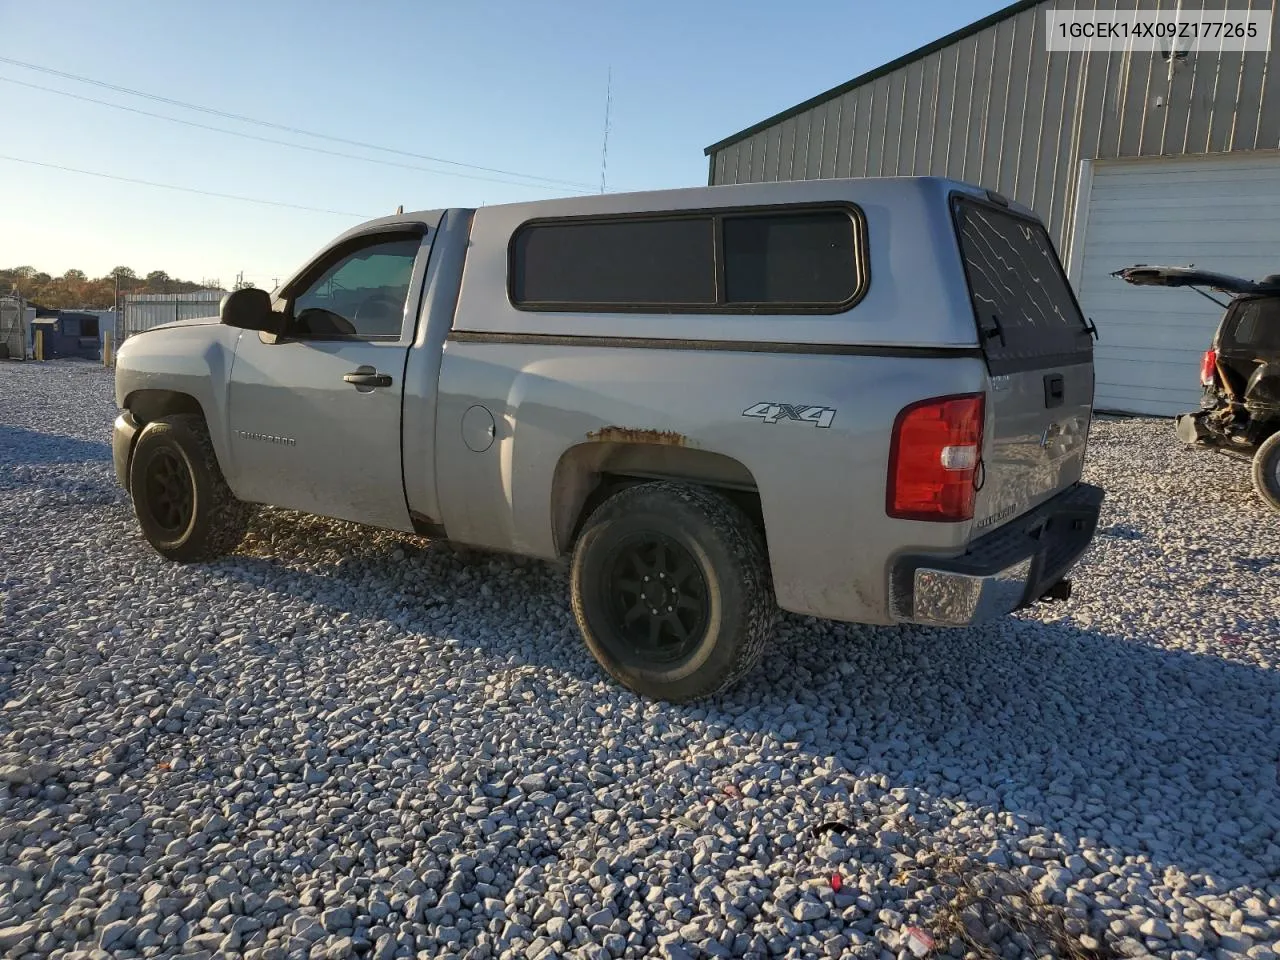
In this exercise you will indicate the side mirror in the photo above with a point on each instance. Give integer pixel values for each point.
(249, 309)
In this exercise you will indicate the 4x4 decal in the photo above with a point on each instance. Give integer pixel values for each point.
(773, 412)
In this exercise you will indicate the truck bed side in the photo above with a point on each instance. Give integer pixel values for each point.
(566, 415)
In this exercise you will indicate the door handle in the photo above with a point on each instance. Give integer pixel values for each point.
(363, 379)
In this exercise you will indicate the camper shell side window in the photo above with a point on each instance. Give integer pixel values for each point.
(797, 258)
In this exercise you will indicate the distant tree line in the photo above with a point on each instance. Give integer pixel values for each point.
(74, 289)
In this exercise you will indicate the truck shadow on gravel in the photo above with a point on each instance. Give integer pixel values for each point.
(20, 445)
(56, 471)
(1105, 741)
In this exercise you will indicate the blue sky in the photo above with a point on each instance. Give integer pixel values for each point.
(516, 86)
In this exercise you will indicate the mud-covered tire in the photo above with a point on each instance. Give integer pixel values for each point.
(172, 460)
(1266, 471)
(726, 613)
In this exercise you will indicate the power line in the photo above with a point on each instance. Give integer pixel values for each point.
(280, 126)
(283, 143)
(171, 186)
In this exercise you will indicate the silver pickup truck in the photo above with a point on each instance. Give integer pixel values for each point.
(864, 400)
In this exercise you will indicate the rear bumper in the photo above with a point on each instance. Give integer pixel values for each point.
(1191, 428)
(1007, 569)
(123, 433)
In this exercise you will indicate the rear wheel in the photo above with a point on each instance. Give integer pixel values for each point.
(184, 506)
(1266, 471)
(671, 590)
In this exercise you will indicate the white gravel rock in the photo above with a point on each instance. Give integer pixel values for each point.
(346, 742)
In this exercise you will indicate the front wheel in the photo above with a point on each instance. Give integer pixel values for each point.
(671, 590)
(1266, 471)
(182, 502)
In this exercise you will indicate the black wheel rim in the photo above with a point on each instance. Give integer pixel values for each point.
(170, 493)
(656, 597)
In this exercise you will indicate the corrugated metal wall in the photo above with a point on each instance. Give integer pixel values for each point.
(997, 109)
(13, 327)
(142, 311)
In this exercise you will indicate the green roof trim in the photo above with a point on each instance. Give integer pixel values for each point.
(976, 27)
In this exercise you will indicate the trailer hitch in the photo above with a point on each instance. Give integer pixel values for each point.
(1060, 592)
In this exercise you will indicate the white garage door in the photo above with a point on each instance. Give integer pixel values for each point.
(1220, 212)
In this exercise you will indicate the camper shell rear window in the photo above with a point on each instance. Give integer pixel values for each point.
(1026, 314)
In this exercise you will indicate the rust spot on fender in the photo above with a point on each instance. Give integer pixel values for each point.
(668, 438)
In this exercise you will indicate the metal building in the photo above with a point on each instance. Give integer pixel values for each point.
(142, 311)
(1133, 157)
(16, 318)
(68, 333)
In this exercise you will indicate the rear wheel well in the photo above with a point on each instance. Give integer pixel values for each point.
(748, 501)
(590, 474)
(150, 405)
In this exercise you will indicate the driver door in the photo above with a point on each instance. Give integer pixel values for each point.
(315, 410)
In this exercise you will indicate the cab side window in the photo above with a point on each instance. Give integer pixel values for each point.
(360, 295)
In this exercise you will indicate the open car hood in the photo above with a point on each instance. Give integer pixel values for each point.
(1141, 275)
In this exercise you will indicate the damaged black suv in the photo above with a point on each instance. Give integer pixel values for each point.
(1240, 372)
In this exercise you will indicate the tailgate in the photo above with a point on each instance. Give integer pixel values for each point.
(1039, 354)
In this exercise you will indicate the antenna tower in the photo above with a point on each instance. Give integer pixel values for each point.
(604, 151)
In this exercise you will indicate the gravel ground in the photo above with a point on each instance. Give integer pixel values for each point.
(338, 743)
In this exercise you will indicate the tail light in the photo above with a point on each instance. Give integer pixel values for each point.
(1208, 367)
(934, 457)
